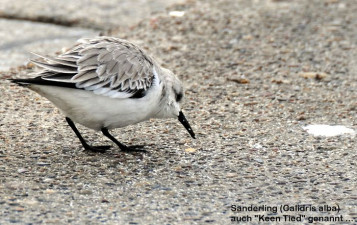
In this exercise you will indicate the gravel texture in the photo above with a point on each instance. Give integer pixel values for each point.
(255, 73)
(47, 26)
(103, 14)
(17, 44)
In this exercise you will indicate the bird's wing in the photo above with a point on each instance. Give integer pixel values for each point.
(107, 66)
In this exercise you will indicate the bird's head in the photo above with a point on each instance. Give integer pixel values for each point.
(173, 93)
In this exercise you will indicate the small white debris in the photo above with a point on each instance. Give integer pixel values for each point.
(328, 131)
(257, 146)
(22, 170)
(177, 13)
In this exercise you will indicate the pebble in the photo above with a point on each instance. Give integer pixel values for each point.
(190, 150)
(314, 75)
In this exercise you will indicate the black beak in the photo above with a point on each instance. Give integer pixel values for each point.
(185, 123)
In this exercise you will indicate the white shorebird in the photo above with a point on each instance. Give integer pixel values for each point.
(105, 83)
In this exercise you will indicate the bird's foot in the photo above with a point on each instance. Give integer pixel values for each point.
(133, 148)
(100, 149)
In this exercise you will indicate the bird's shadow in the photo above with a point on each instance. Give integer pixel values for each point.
(116, 152)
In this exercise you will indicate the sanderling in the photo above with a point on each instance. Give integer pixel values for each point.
(105, 83)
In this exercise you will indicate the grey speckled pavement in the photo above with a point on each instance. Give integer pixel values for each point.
(256, 72)
(46, 26)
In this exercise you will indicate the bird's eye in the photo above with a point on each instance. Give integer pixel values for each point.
(179, 97)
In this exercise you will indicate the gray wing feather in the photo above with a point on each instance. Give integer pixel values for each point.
(85, 75)
(63, 61)
(105, 56)
(55, 67)
(88, 83)
(106, 66)
(87, 60)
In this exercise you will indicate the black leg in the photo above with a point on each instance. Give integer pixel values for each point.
(84, 143)
(120, 145)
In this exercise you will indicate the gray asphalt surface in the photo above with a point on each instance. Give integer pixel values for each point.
(46, 27)
(245, 65)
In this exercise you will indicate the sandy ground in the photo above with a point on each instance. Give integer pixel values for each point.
(255, 73)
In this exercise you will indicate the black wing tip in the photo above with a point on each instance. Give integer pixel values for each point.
(139, 93)
(39, 81)
(27, 81)
(20, 82)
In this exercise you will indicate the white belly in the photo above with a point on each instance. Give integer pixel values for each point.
(96, 111)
